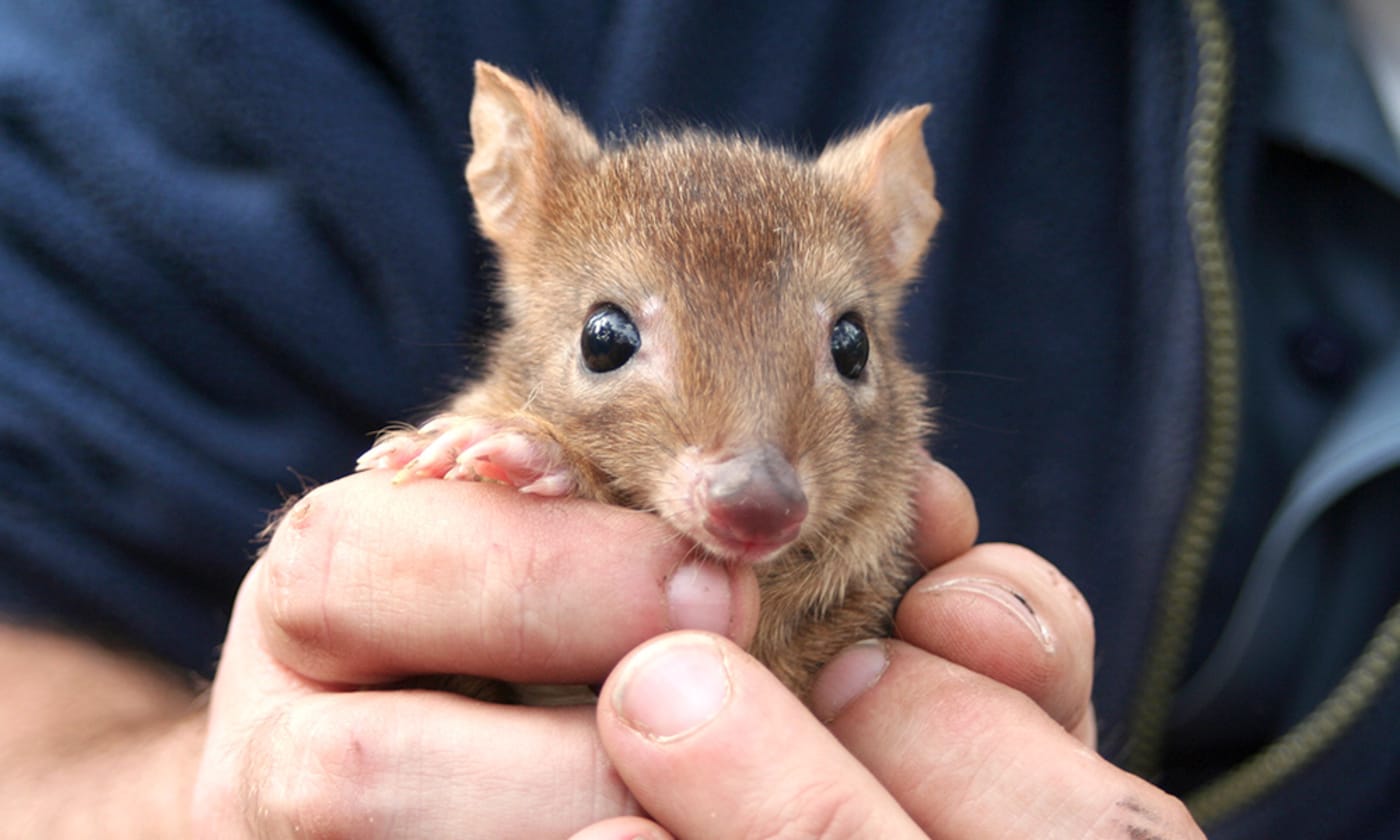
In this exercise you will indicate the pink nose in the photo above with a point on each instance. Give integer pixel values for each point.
(755, 499)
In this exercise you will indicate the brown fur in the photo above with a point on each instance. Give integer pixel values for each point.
(748, 254)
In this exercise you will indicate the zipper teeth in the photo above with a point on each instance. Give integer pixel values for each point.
(1380, 659)
(1300, 745)
(1176, 614)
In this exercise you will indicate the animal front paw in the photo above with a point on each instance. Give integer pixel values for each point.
(514, 451)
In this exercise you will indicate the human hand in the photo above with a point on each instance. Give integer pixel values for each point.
(975, 723)
(363, 584)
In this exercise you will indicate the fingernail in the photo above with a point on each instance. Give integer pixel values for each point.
(673, 688)
(698, 598)
(852, 673)
(1004, 597)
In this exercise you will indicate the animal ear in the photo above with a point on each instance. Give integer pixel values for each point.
(887, 168)
(522, 139)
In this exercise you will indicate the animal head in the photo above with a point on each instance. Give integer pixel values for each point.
(710, 320)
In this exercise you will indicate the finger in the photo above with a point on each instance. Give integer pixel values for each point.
(624, 828)
(1006, 613)
(945, 523)
(371, 764)
(969, 757)
(364, 581)
(712, 745)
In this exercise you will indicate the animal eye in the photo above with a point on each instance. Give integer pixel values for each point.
(609, 339)
(850, 348)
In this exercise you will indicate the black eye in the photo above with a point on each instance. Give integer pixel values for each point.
(609, 339)
(849, 346)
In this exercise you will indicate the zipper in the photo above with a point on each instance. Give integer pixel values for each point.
(1205, 505)
(1312, 735)
(1379, 661)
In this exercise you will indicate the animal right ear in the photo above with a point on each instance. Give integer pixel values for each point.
(887, 168)
(522, 139)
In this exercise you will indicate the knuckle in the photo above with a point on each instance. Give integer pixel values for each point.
(1146, 814)
(506, 606)
(818, 810)
(296, 605)
(1178, 819)
(310, 775)
(984, 709)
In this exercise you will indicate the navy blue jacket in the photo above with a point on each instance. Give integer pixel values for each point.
(234, 242)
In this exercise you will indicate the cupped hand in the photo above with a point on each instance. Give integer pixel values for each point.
(974, 722)
(364, 584)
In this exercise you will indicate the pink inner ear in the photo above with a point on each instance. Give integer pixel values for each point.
(887, 167)
(903, 189)
(494, 191)
(499, 171)
(520, 135)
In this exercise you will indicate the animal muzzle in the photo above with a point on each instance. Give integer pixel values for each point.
(753, 503)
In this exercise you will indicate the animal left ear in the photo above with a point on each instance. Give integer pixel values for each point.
(887, 168)
(523, 140)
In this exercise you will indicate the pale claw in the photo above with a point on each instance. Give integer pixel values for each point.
(553, 484)
(393, 452)
(449, 436)
(455, 447)
(530, 464)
